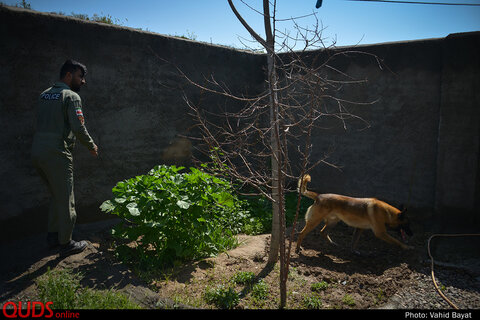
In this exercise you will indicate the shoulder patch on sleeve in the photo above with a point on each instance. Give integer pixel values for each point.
(79, 113)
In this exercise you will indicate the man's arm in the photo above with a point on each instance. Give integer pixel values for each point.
(77, 124)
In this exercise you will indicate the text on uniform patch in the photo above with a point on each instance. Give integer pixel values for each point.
(50, 96)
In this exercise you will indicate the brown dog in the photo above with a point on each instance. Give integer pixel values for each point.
(361, 213)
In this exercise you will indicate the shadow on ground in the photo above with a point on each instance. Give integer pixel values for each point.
(26, 259)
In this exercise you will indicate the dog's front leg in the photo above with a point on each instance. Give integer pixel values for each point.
(329, 224)
(388, 238)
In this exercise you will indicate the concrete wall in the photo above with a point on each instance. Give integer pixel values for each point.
(391, 152)
(421, 146)
(133, 103)
(458, 170)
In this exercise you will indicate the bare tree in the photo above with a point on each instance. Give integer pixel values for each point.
(255, 145)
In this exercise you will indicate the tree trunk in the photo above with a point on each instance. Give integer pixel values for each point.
(277, 243)
(275, 159)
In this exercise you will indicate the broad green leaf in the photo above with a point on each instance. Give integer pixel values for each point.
(183, 204)
(107, 206)
(132, 208)
(120, 200)
(226, 199)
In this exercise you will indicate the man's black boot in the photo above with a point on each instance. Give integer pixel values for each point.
(73, 247)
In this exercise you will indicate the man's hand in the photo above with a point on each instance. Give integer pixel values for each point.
(94, 152)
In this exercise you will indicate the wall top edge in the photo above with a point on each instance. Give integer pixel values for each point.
(16, 10)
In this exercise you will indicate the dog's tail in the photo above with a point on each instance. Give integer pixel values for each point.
(302, 187)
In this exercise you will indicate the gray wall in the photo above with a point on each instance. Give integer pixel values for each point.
(133, 102)
(391, 152)
(421, 146)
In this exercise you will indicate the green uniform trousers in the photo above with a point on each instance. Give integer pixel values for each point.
(55, 167)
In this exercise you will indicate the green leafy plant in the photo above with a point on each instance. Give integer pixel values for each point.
(172, 215)
(261, 211)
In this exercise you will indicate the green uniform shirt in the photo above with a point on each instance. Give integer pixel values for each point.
(60, 119)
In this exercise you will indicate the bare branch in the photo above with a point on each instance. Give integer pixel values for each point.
(249, 29)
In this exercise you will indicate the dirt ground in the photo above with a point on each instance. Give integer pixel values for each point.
(369, 280)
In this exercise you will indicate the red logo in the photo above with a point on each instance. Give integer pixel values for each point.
(35, 309)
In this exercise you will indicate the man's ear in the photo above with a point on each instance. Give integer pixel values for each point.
(68, 77)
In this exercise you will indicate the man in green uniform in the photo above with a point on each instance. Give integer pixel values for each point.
(60, 122)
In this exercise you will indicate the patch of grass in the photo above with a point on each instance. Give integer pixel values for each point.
(380, 296)
(260, 290)
(348, 300)
(222, 297)
(312, 301)
(244, 277)
(319, 286)
(63, 288)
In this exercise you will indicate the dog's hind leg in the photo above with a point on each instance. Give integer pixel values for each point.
(313, 217)
(356, 236)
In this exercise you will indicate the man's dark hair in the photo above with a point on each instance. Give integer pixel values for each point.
(72, 66)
